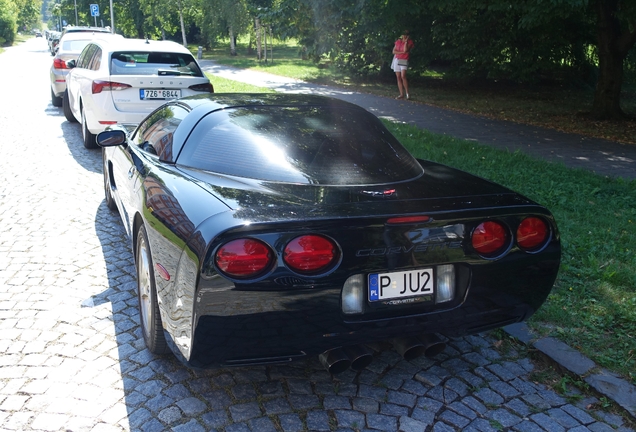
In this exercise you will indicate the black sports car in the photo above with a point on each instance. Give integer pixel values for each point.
(269, 227)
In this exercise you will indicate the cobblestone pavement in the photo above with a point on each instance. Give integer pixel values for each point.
(73, 357)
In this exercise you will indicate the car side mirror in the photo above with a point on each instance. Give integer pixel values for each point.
(71, 63)
(111, 138)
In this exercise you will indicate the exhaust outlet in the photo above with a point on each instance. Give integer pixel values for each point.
(434, 345)
(359, 355)
(411, 348)
(335, 361)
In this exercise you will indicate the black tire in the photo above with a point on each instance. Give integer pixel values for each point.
(149, 315)
(110, 202)
(66, 107)
(89, 138)
(55, 100)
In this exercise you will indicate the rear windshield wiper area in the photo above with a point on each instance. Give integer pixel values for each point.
(168, 72)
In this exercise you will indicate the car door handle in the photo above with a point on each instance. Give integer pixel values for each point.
(131, 172)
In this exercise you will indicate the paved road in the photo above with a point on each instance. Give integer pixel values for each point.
(603, 157)
(72, 354)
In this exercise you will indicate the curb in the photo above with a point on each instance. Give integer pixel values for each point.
(603, 381)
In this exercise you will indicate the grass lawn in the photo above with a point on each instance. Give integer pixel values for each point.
(593, 303)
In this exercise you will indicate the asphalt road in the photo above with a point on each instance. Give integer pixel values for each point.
(72, 357)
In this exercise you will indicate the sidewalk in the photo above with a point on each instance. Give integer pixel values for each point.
(603, 157)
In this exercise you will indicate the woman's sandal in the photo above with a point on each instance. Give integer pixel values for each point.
(400, 97)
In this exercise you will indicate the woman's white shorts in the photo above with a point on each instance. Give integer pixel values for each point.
(396, 67)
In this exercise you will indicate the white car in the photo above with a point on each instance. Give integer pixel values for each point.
(69, 48)
(123, 80)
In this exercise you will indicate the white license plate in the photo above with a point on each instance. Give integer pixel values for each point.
(159, 94)
(395, 285)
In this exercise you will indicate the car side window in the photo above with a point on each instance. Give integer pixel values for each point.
(85, 57)
(96, 60)
(156, 133)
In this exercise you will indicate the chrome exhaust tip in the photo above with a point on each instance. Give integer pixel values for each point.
(359, 355)
(411, 348)
(335, 361)
(434, 345)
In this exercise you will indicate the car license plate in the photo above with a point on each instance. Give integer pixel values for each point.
(159, 94)
(395, 285)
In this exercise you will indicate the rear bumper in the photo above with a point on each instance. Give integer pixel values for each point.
(234, 327)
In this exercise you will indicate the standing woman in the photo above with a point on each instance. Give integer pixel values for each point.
(400, 63)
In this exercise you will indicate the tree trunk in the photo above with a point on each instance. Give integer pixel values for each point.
(257, 29)
(232, 42)
(183, 32)
(613, 47)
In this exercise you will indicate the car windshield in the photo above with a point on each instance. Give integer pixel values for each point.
(154, 63)
(307, 145)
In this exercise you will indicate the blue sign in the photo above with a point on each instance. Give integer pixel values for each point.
(94, 10)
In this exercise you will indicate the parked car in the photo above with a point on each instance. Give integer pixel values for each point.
(38, 33)
(53, 39)
(85, 29)
(272, 227)
(123, 80)
(70, 47)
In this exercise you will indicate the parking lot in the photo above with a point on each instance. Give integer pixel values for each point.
(73, 357)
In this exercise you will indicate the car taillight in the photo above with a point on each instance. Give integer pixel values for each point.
(100, 86)
(310, 253)
(244, 258)
(207, 87)
(58, 63)
(489, 238)
(532, 233)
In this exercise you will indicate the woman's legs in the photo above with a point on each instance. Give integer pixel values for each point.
(398, 75)
(404, 84)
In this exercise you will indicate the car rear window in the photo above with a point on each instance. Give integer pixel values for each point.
(154, 63)
(307, 145)
(74, 45)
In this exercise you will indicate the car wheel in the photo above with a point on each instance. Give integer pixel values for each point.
(55, 100)
(89, 138)
(66, 107)
(148, 305)
(110, 202)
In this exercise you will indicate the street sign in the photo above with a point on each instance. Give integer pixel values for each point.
(95, 10)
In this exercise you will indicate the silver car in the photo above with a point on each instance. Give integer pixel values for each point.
(69, 48)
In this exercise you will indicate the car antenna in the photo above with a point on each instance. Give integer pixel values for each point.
(147, 41)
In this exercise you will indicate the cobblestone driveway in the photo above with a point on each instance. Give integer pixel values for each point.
(73, 357)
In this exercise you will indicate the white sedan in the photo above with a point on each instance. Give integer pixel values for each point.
(123, 80)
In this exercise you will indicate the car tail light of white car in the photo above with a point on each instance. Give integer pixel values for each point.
(100, 86)
(206, 87)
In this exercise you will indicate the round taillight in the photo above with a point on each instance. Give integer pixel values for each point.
(244, 258)
(310, 253)
(532, 233)
(489, 238)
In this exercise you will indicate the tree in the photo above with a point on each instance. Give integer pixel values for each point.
(616, 37)
(8, 22)
(221, 18)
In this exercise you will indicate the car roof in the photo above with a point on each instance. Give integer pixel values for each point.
(125, 44)
(88, 35)
(216, 101)
(76, 29)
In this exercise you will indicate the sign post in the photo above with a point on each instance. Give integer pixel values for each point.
(95, 12)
